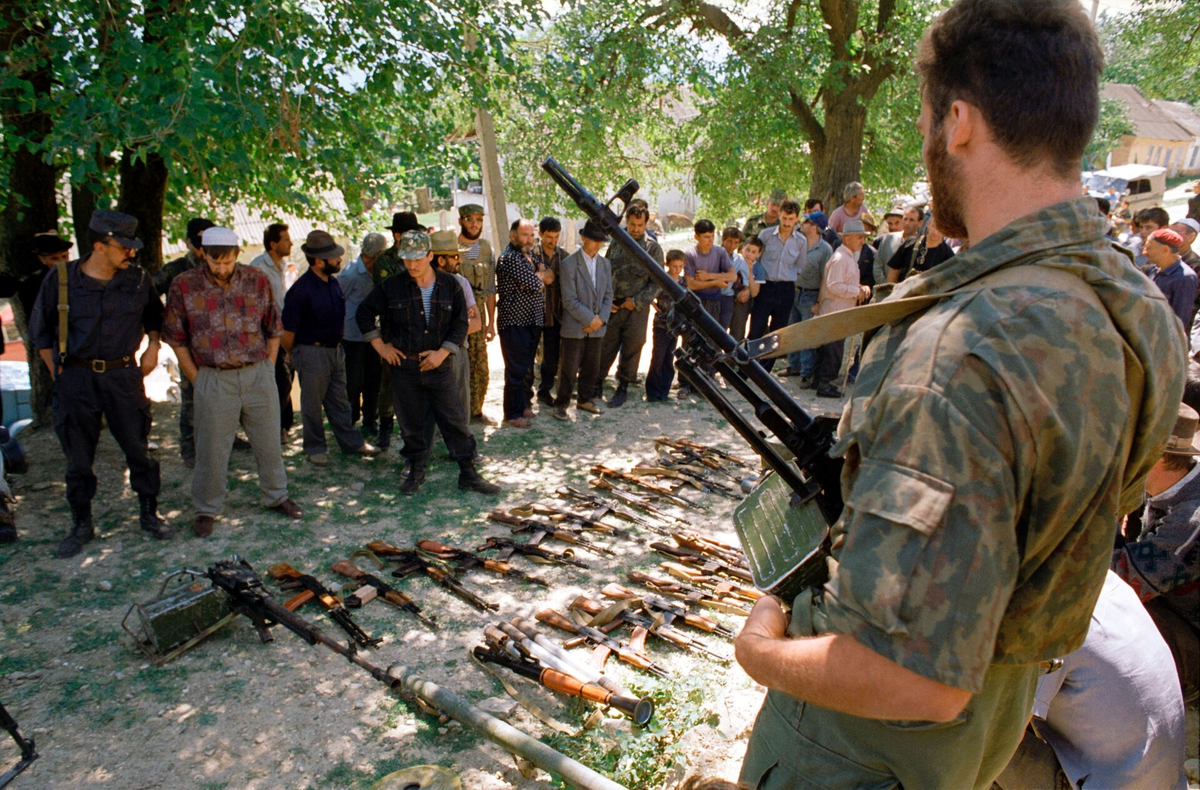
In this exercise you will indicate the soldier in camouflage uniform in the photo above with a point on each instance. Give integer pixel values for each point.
(760, 222)
(162, 283)
(479, 267)
(991, 440)
(633, 292)
(387, 264)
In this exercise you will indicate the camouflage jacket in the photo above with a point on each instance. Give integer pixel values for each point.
(480, 272)
(172, 269)
(986, 441)
(387, 264)
(756, 225)
(630, 280)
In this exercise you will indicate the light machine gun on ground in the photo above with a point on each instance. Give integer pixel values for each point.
(783, 524)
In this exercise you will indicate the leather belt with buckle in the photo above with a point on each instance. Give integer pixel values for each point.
(100, 365)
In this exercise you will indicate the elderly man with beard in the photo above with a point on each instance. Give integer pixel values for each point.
(314, 317)
(520, 315)
(992, 439)
(87, 324)
(479, 267)
(224, 327)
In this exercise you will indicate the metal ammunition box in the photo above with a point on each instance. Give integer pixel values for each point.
(177, 619)
(785, 542)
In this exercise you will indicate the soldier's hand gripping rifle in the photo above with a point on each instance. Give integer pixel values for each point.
(412, 562)
(785, 544)
(385, 591)
(633, 653)
(670, 611)
(247, 596)
(601, 508)
(540, 530)
(293, 579)
(464, 560)
(602, 615)
(508, 547)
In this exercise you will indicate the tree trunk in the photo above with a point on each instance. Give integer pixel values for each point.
(143, 194)
(31, 206)
(837, 160)
(86, 197)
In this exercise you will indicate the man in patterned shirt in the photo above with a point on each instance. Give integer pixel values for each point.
(224, 326)
(520, 314)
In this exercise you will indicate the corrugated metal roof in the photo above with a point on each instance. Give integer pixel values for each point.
(1150, 121)
(250, 224)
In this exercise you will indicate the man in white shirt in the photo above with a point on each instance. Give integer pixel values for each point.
(839, 290)
(277, 247)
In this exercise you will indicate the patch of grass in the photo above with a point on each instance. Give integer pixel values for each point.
(92, 637)
(19, 590)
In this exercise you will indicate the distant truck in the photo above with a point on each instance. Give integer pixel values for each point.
(1142, 185)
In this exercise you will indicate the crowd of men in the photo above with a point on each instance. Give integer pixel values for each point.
(1004, 425)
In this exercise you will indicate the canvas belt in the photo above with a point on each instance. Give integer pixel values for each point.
(100, 365)
(62, 312)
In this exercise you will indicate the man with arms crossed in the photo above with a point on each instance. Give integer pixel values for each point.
(991, 440)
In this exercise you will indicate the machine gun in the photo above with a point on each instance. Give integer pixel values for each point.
(248, 596)
(784, 524)
(384, 590)
(293, 579)
(28, 752)
(412, 562)
(463, 560)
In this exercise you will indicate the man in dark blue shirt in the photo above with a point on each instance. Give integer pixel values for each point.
(423, 320)
(314, 316)
(97, 376)
(1177, 282)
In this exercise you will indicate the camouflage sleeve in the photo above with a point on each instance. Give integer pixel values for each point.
(649, 290)
(929, 559)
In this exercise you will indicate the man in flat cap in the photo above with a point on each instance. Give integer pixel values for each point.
(363, 368)
(90, 349)
(388, 263)
(586, 280)
(760, 222)
(424, 322)
(223, 324)
(314, 313)
(479, 267)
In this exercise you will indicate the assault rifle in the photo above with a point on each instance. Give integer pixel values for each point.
(602, 615)
(602, 508)
(247, 596)
(660, 492)
(412, 562)
(786, 530)
(701, 450)
(558, 516)
(292, 579)
(640, 501)
(508, 547)
(690, 593)
(386, 591)
(668, 610)
(726, 588)
(689, 477)
(710, 547)
(709, 565)
(540, 530)
(633, 653)
(463, 560)
(28, 752)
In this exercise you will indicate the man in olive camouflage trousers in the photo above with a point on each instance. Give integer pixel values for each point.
(991, 440)
(479, 267)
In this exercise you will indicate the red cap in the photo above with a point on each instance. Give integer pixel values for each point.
(1168, 237)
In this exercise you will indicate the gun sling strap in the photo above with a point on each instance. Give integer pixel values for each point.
(62, 312)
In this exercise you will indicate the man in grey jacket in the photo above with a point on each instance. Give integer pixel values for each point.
(587, 295)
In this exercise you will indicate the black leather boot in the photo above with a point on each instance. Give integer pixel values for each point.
(413, 479)
(82, 532)
(153, 523)
(470, 479)
(384, 439)
(620, 396)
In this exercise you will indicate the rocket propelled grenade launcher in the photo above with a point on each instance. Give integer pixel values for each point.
(784, 523)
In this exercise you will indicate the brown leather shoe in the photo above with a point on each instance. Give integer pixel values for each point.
(518, 422)
(289, 508)
(203, 526)
(368, 450)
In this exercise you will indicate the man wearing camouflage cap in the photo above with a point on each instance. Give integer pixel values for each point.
(760, 222)
(424, 322)
(992, 440)
(109, 303)
(388, 263)
(447, 257)
(479, 267)
(363, 368)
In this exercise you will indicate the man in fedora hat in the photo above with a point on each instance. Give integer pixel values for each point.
(1162, 563)
(770, 218)
(388, 263)
(110, 303)
(314, 314)
(586, 280)
(224, 327)
(422, 315)
(479, 267)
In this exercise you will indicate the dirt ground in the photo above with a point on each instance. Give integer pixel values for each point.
(236, 713)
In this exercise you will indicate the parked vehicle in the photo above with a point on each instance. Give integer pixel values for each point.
(1142, 185)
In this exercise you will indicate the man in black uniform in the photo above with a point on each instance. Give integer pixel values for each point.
(50, 249)
(110, 302)
(425, 318)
